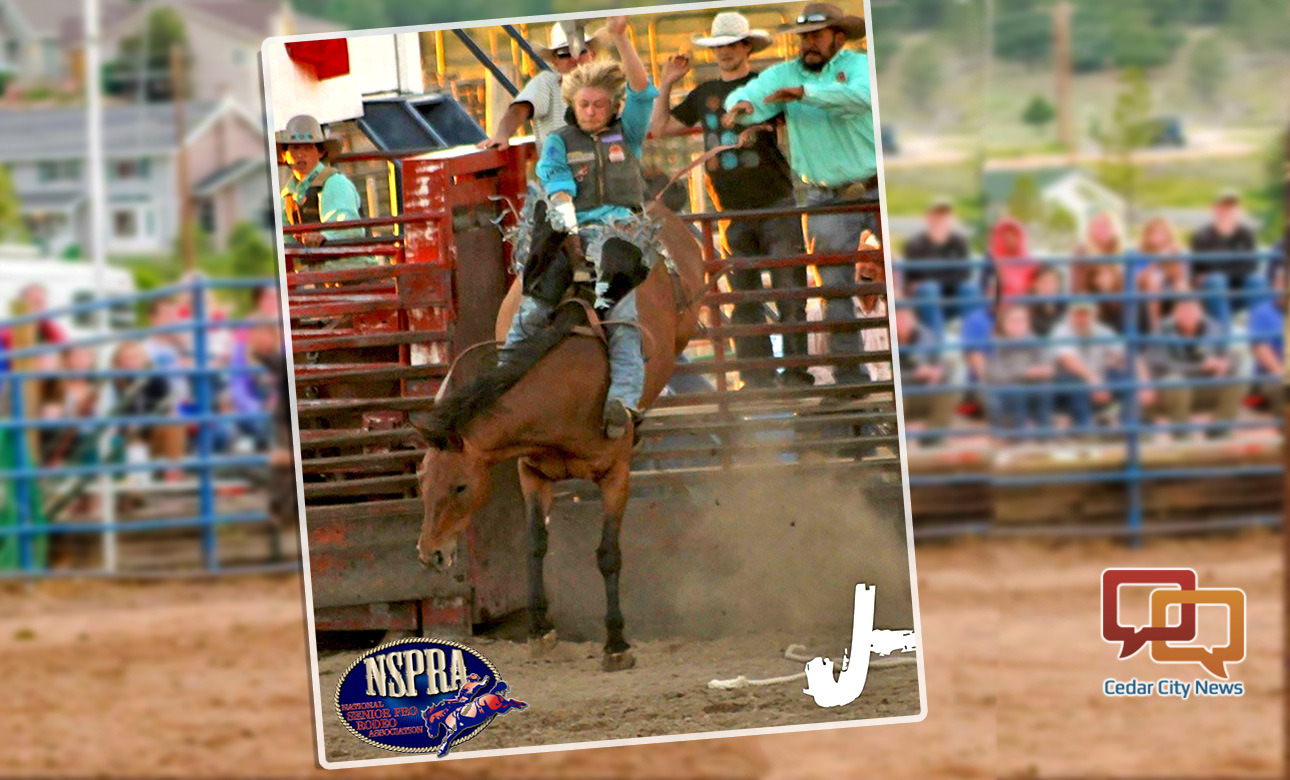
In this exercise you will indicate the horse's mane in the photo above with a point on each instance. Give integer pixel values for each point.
(446, 423)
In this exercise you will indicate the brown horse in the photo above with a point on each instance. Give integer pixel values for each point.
(543, 406)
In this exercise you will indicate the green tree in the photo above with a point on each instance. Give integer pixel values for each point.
(12, 228)
(143, 59)
(249, 253)
(1023, 32)
(1025, 203)
(1115, 34)
(1207, 69)
(1130, 128)
(921, 75)
(1038, 113)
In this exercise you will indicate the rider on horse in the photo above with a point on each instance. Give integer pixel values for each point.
(593, 209)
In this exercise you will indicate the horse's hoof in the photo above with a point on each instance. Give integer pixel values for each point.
(618, 662)
(542, 646)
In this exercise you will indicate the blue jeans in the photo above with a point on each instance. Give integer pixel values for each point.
(1219, 307)
(1014, 409)
(770, 237)
(626, 358)
(840, 233)
(934, 313)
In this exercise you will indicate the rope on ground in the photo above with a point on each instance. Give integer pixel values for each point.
(798, 653)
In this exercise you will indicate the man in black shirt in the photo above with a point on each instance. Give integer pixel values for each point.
(1226, 234)
(940, 241)
(752, 177)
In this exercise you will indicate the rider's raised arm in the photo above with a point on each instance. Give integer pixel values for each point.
(666, 121)
(637, 77)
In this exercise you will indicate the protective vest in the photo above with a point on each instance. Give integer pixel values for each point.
(311, 210)
(607, 172)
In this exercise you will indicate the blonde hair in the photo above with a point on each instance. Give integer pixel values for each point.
(601, 74)
(1162, 224)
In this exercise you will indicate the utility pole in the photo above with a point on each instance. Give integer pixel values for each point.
(188, 249)
(97, 249)
(1062, 61)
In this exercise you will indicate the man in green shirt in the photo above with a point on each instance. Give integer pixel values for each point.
(824, 95)
(317, 192)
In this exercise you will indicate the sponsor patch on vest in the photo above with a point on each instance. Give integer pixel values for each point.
(614, 138)
(616, 153)
(582, 172)
(581, 157)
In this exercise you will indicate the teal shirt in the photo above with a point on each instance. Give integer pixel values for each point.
(338, 202)
(830, 130)
(553, 168)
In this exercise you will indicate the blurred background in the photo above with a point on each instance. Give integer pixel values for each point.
(1114, 172)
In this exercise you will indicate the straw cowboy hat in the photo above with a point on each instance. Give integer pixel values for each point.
(817, 16)
(560, 40)
(304, 129)
(731, 27)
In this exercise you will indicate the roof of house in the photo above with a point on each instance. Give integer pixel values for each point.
(44, 17)
(256, 19)
(128, 130)
(234, 171)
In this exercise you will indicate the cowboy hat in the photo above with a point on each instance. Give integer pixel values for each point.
(818, 16)
(560, 39)
(304, 129)
(731, 27)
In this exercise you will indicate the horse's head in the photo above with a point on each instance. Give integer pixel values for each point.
(454, 485)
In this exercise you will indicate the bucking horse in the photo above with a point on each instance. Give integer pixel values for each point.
(543, 406)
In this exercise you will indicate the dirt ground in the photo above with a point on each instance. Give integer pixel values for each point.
(210, 679)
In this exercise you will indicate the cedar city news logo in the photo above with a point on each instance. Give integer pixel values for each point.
(1173, 587)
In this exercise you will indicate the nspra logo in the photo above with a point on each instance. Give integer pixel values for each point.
(421, 695)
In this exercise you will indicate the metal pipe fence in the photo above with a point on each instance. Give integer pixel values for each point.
(103, 444)
(1143, 370)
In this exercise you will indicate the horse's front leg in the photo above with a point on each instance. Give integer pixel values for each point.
(538, 495)
(614, 488)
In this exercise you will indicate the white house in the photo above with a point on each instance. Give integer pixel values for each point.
(45, 149)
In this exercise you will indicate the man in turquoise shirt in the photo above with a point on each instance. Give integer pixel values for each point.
(824, 95)
(317, 192)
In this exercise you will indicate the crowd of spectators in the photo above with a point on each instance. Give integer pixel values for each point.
(1178, 334)
(144, 379)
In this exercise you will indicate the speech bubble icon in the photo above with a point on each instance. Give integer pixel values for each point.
(1133, 639)
(1214, 660)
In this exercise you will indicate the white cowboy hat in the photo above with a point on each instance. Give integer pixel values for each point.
(560, 39)
(304, 129)
(731, 27)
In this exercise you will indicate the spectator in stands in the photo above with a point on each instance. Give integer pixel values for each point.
(940, 241)
(825, 98)
(77, 399)
(169, 351)
(1191, 348)
(1160, 269)
(1044, 315)
(1010, 262)
(755, 177)
(1090, 354)
(1104, 237)
(541, 99)
(1226, 237)
(34, 299)
(141, 396)
(1106, 280)
(920, 366)
(1267, 336)
(1017, 360)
